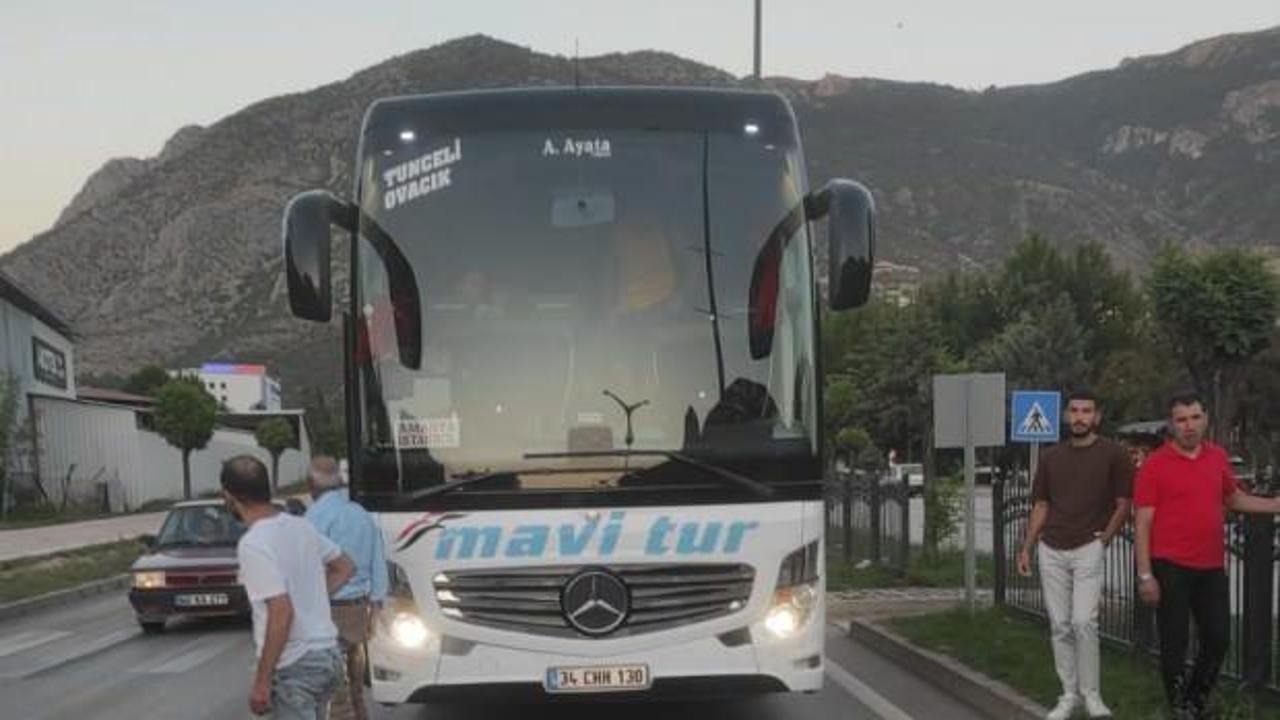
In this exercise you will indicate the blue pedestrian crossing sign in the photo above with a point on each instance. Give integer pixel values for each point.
(1035, 416)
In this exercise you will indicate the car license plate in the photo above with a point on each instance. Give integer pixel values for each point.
(202, 600)
(597, 678)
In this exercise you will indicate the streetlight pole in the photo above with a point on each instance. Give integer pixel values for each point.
(756, 74)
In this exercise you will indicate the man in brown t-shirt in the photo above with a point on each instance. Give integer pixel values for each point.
(1082, 493)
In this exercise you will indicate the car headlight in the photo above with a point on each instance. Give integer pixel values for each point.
(796, 594)
(148, 580)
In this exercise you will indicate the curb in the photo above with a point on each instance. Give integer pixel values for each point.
(63, 597)
(990, 697)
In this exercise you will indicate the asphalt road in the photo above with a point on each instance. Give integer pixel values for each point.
(90, 661)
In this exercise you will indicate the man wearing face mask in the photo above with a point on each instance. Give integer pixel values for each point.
(1081, 493)
(1183, 492)
(288, 570)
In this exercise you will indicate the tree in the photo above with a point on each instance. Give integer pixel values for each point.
(1260, 409)
(1218, 311)
(1045, 349)
(328, 428)
(147, 380)
(965, 310)
(9, 392)
(184, 417)
(275, 436)
(839, 404)
(891, 357)
(1036, 276)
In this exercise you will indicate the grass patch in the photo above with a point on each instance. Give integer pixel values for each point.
(29, 516)
(945, 570)
(1014, 649)
(28, 577)
(40, 515)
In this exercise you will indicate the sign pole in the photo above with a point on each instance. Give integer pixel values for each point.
(970, 531)
(1034, 464)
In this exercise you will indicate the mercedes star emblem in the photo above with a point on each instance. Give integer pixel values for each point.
(595, 602)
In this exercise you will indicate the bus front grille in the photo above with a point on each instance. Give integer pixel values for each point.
(528, 600)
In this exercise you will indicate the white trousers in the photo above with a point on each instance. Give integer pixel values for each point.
(1072, 583)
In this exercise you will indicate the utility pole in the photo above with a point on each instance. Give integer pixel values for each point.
(756, 74)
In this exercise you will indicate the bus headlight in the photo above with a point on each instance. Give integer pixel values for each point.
(408, 630)
(797, 593)
(405, 626)
(790, 610)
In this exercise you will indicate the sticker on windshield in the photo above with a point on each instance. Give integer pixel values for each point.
(424, 433)
(598, 148)
(421, 176)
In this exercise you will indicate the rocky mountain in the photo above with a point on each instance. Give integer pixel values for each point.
(175, 259)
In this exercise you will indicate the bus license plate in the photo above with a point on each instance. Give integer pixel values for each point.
(598, 678)
(202, 600)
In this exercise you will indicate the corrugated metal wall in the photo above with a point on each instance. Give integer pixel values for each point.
(82, 445)
(92, 444)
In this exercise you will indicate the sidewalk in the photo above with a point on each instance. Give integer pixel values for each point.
(48, 539)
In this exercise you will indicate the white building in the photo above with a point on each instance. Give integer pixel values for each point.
(97, 446)
(36, 348)
(238, 388)
(94, 449)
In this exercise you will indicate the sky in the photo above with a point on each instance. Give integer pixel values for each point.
(83, 81)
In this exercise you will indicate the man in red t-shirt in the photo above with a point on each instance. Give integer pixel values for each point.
(1182, 494)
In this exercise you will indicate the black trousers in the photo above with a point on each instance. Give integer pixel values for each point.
(1187, 593)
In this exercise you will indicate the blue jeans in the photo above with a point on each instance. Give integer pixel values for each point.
(302, 690)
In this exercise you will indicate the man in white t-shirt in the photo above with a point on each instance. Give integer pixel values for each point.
(288, 570)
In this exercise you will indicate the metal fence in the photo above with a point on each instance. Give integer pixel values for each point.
(1251, 557)
(868, 518)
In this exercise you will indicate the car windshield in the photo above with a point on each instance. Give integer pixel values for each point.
(204, 525)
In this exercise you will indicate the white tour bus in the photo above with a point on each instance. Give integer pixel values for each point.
(583, 387)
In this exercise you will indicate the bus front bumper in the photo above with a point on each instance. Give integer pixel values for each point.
(749, 661)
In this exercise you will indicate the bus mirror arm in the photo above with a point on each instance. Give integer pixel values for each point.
(851, 237)
(308, 221)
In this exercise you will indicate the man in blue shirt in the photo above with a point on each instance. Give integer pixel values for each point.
(353, 529)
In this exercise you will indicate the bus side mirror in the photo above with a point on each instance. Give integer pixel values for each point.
(307, 237)
(851, 237)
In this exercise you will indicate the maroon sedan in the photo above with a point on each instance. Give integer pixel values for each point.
(191, 568)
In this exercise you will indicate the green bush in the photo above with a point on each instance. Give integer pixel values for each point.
(942, 509)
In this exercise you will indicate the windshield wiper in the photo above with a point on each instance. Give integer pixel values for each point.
(452, 485)
(730, 477)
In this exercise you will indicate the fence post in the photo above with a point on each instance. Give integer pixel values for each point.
(997, 541)
(846, 508)
(905, 491)
(1259, 573)
(874, 501)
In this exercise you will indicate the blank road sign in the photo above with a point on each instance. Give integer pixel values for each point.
(968, 405)
(1034, 416)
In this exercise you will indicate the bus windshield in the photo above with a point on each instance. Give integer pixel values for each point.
(586, 302)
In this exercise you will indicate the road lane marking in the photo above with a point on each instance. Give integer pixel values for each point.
(76, 653)
(860, 690)
(29, 639)
(188, 659)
